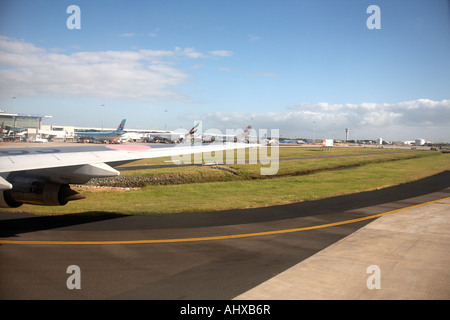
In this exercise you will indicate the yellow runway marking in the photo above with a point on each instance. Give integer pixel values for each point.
(237, 236)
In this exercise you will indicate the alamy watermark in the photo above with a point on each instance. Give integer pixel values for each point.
(374, 21)
(74, 280)
(374, 280)
(230, 147)
(74, 20)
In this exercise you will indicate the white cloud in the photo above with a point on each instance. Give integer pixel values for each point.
(221, 53)
(249, 74)
(263, 75)
(407, 120)
(422, 112)
(189, 53)
(253, 37)
(127, 35)
(225, 69)
(148, 75)
(132, 34)
(197, 66)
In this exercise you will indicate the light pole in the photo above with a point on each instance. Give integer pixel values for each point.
(102, 115)
(165, 120)
(14, 119)
(314, 130)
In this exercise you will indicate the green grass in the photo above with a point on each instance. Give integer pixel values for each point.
(284, 153)
(208, 189)
(239, 172)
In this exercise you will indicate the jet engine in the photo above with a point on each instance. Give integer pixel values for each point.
(38, 191)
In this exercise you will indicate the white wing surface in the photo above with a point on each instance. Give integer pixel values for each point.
(42, 175)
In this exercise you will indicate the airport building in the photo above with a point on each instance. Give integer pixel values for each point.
(57, 133)
(19, 126)
(419, 142)
(30, 127)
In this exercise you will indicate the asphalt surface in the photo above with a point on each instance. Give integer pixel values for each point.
(178, 256)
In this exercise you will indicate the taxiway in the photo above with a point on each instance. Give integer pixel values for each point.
(221, 255)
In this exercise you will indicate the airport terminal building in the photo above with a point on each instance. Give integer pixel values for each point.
(19, 126)
(30, 127)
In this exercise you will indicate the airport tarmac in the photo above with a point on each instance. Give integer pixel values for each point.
(310, 250)
(403, 255)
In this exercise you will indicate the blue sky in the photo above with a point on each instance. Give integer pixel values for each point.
(294, 65)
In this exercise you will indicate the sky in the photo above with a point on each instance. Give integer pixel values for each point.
(308, 68)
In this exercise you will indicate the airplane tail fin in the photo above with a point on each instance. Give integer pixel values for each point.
(193, 130)
(121, 126)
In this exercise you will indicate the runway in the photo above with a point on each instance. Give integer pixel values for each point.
(206, 256)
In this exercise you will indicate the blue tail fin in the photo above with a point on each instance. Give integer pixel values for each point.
(121, 126)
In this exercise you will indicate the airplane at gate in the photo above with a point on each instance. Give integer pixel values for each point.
(107, 135)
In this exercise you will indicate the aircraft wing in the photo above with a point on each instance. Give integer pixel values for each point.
(42, 175)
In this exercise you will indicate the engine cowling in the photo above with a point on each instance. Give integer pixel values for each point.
(37, 191)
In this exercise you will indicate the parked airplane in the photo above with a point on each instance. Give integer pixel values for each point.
(192, 135)
(169, 136)
(209, 137)
(131, 137)
(265, 140)
(11, 133)
(175, 136)
(41, 176)
(104, 135)
(16, 130)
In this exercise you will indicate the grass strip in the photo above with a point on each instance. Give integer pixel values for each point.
(247, 193)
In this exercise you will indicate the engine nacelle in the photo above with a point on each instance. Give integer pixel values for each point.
(37, 191)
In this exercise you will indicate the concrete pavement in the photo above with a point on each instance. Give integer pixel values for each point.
(406, 254)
